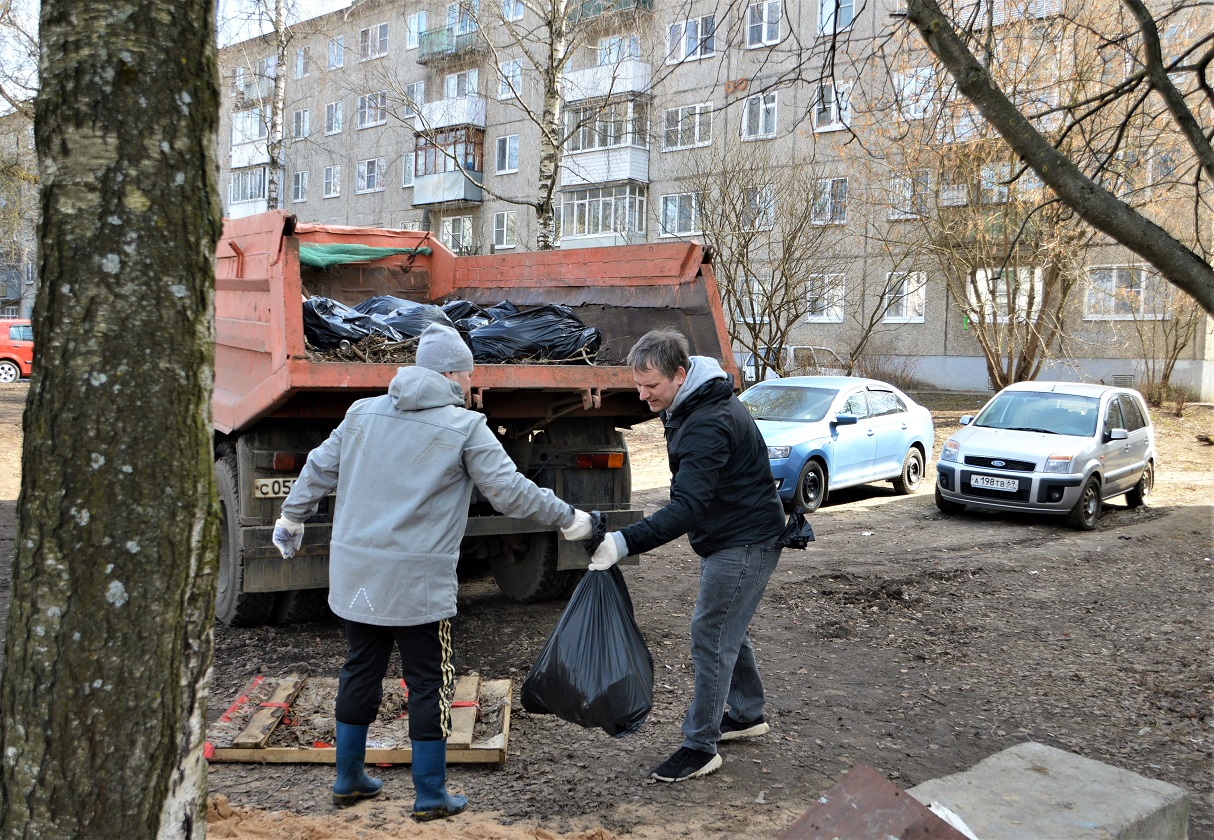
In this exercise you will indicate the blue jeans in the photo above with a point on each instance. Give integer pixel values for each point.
(731, 585)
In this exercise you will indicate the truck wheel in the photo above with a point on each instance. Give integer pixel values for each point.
(239, 609)
(300, 605)
(525, 570)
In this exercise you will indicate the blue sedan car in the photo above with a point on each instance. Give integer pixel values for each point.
(824, 433)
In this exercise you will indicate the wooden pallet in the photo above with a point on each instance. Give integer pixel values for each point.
(247, 730)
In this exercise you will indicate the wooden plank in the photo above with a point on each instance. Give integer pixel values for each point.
(263, 721)
(463, 717)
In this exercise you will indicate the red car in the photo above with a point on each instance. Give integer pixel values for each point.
(16, 349)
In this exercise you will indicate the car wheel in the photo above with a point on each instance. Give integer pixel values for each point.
(911, 477)
(1087, 510)
(811, 486)
(9, 372)
(1140, 493)
(947, 506)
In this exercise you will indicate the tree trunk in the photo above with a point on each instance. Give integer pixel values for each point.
(103, 696)
(276, 130)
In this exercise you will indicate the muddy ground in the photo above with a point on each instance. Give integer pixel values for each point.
(913, 643)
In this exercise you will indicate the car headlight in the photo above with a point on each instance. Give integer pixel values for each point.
(949, 451)
(1058, 464)
(778, 453)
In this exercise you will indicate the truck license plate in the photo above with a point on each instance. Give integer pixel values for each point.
(272, 488)
(1009, 485)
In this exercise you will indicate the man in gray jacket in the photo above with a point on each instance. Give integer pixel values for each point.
(404, 466)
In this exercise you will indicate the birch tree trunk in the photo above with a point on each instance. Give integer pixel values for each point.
(108, 649)
(276, 132)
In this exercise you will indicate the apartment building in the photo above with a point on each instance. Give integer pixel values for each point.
(18, 215)
(789, 136)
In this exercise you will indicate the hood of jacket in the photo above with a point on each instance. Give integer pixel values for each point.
(415, 388)
(703, 370)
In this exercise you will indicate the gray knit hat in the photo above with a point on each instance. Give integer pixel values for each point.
(441, 349)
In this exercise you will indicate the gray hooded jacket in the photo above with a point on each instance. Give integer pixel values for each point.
(404, 465)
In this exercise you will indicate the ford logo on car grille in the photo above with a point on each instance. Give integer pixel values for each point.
(998, 463)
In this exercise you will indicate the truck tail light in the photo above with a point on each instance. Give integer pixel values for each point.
(289, 461)
(599, 460)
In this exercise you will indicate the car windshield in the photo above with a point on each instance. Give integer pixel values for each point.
(1037, 411)
(788, 402)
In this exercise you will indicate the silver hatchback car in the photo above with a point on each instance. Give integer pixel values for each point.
(1050, 447)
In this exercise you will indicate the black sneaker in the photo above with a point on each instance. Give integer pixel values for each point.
(687, 764)
(732, 730)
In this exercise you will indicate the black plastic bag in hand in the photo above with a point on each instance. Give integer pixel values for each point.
(595, 669)
(798, 533)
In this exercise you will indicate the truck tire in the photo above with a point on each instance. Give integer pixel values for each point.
(298, 605)
(525, 570)
(239, 609)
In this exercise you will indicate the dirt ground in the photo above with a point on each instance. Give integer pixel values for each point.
(913, 643)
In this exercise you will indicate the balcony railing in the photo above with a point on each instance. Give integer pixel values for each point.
(448, 42)
(447, 113)
(594, 8)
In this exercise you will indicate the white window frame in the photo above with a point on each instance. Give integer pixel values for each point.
(505, 230)
(448, 235)
(471, 80)
(332, 181)
(512, 10)
(372, 110)
(905, 298)
(406, 169)
(299, 186)
(693, 120)
(832, 106)
(760, 208)
(685, 40)
(909, 195)
(373, 42)
(415, 97)
(829, 202)
(415, 25)
(506, 153)
(831, 19)
(763, 19)
(994, 178)
(333, 117)
(676, 207)
(510, 78)
(615, 124)
(301, 123)
(614, 49)
(597, 211)
(761, 110)
(247, 185)
(303, 62)
(1102, 303)
(913, 93)
(824, 296)
(248, 126)
(989, 293)
(337, 52)
(369, 176)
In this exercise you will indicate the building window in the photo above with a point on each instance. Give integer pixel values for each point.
(406, 170)
(994, 182)
(759, 116)
(680, 214)
(829, 202)
(248, 126)
(456, 233)
(1122, 293)
(512, 10)
(832, 111)
(763, 23)
(507, 154)
(303, 61)
(301, 124)
(909, 195)
(369, 176)
(617, 48)
(458, 85)
(415, 25)
(603, 210)
(333, 181)
(824, 298)
(954, 188)
(913, 93)
(461, 16)
(299, 186)
(689, 126)
(835, 15)
(619, 123)
(1006, 294)
(688, 40)
(449, 151)
(373, 109)
(373, 42)
(247, 185)
(415, 97)
(509, 78)
(337, 52)
(503, 229)
(333, 118)
(905, 297)
(759, 211)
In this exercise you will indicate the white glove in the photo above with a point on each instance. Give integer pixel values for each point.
(288, 537)
(606, 555)
(580, 528)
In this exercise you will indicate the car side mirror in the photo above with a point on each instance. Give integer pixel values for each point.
(1118, 434)
(845, 420)
(966, 419)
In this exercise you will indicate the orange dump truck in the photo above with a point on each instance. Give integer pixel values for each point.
(560, 423)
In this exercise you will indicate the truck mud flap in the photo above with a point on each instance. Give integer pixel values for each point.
(266, 571)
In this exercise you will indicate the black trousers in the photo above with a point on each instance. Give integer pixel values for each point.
(426, 656)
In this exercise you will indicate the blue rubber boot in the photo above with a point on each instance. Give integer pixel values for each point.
(430, 783)
(353, 783)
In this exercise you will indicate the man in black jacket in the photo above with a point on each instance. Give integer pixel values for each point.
(723, 497)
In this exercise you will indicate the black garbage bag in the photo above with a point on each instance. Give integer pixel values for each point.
(550, 332)
(407, 317)
(501, 310)
(457, 310)
(595, 670)
(328, 322)
(798, 533)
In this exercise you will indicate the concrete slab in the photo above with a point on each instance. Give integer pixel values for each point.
(1035, 792)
